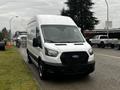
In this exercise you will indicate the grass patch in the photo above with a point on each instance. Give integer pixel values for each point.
(14, 73)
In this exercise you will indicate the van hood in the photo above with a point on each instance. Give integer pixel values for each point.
(68, 47)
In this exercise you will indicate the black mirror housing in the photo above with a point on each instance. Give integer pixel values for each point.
(35, 42)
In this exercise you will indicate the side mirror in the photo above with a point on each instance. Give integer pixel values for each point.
(35, 42)
(79, 29)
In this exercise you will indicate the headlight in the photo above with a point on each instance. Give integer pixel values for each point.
(90, 51)
(51, 53)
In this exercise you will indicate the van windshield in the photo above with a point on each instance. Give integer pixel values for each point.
(61, 34)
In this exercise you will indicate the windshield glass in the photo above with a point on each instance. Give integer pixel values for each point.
(61, 34)
(103, 37)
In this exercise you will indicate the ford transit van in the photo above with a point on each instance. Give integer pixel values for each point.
(56, 45)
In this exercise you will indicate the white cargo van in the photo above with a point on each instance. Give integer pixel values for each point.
(56, 45)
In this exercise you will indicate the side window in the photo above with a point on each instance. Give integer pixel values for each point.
(37, 32)
(31, 31)
(32, 34)
(38, 37)
(95, 37)
(28, 33)
(103, 37)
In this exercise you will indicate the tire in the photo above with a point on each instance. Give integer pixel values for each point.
(90, 43)
(102, 45)
(3, 48)
(86, 74)
(118, 47)
(42, 72)
(18, 45)
(29, 58)
(98, 45)
(112, 45)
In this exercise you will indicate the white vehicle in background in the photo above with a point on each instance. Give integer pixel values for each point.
(56, 45)
(21, 41)
(20, 38)
(103, 40)
(117, 45)
(2, 45)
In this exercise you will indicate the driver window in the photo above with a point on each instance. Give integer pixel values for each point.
(37, 32)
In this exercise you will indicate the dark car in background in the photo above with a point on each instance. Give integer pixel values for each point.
(2, 45)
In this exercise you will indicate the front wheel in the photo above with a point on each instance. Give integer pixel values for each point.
(112, 45)
(102, 45)
(42, 72)
(3, 48)
(98, 45)
(118, 47)
(29, 58)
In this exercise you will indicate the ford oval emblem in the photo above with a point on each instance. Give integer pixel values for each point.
(75, 56)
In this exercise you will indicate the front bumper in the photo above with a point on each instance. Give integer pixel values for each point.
(70, 70)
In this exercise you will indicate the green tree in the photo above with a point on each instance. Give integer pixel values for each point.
(80, 12)
(5, 32)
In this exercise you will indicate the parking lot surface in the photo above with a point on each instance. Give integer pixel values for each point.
(105, 77)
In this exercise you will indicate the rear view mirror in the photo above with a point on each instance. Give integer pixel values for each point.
(79, 29)
(35, 42)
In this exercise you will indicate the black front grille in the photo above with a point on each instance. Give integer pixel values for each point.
(74, 58)
(24, 38)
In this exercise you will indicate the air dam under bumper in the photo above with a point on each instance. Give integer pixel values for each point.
(70, 70)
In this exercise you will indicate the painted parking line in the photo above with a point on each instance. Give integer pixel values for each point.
(107, 55)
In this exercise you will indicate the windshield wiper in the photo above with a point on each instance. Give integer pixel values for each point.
(71, 42)
(64, 42)
(77, 41)
(50, 41)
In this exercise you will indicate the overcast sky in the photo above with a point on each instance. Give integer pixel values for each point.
(28, 8)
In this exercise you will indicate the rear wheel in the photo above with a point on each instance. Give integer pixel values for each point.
(98, 45)
(102, 45)
(90, 42)
(86, 74)
(112, 46)
(3, 48)
(118, 47)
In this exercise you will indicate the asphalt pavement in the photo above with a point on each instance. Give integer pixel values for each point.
(105, 77)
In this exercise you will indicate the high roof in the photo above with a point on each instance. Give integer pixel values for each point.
(55, 20)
